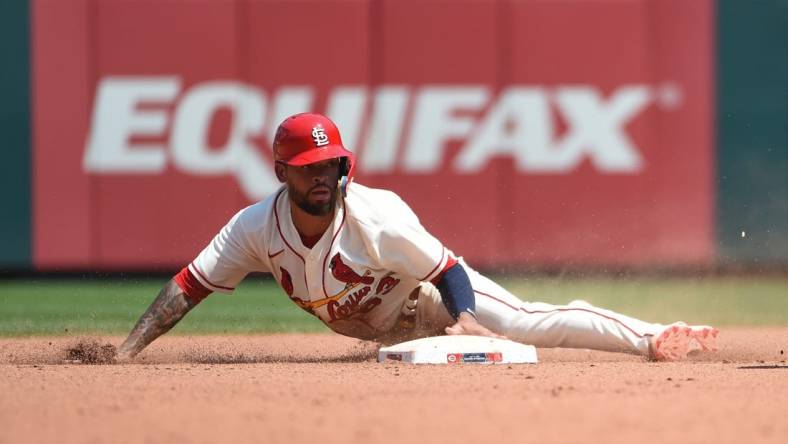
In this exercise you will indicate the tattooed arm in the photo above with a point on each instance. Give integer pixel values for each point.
(170, 306)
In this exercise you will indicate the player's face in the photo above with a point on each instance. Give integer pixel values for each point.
(313, 187)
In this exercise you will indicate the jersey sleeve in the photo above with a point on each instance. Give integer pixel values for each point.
(228, 258)
(406, 247)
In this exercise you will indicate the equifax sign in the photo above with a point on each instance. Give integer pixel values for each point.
(393, 128)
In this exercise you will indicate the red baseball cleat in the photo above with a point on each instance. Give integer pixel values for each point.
(679, 340)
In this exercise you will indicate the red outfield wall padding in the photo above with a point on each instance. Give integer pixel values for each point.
(522, 133)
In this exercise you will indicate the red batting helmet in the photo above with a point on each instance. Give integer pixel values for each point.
(308, 138)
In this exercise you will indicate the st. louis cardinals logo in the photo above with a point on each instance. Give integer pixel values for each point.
(350, 300)
(354, 302)
(319, 135)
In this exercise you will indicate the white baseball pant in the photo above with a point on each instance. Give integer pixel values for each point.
(576, 325)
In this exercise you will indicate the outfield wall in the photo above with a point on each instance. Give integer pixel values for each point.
(525, 134)
(517, 142)
(753, 132)
(15, 129)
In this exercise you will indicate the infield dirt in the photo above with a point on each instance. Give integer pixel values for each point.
(329, 389)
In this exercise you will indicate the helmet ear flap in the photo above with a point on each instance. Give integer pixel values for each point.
(343, 183)
(344, 175)
(344, 168)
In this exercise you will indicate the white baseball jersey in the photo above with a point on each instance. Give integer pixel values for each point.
(358, 276)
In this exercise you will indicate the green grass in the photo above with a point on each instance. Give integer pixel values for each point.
(113, 306)
(57, 307)
(718, 301)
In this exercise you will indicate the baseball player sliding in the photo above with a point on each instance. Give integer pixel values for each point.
(359, 259)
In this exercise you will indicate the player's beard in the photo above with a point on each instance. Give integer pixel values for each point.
(315, 209)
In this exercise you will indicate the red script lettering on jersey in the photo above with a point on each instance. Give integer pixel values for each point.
(352, 305)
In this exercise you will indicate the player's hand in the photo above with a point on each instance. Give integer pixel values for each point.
(468, 325)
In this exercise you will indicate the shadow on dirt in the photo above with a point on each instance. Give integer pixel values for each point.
(99, 351)
(363, 353)
(276, 359)
(763, 367)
